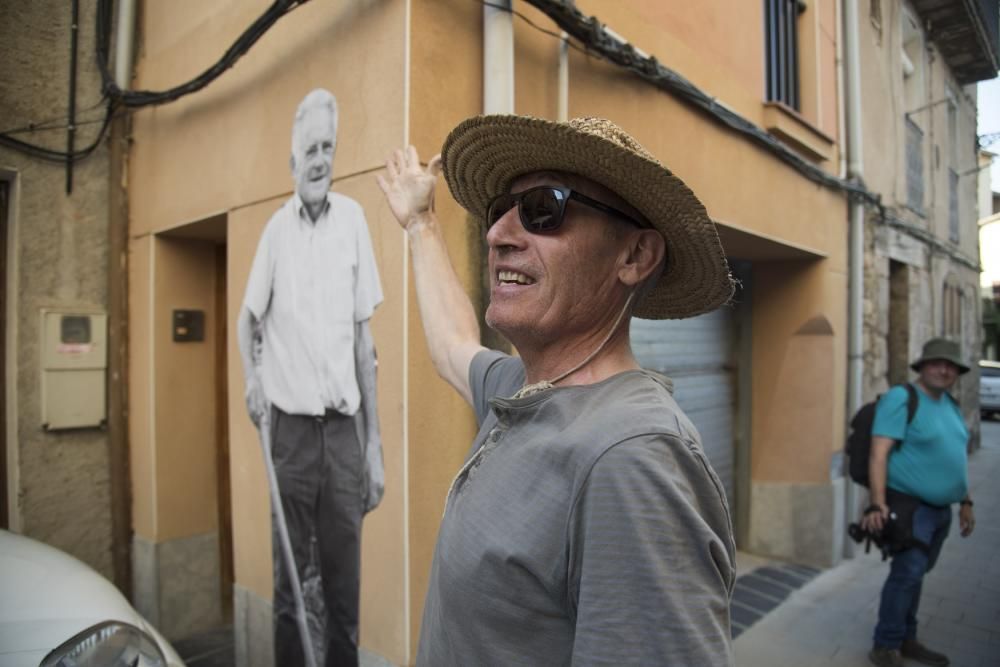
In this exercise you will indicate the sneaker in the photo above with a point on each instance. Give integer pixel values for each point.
(913, 649)
(885, 657)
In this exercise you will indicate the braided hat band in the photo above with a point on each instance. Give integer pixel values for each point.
(484, 154)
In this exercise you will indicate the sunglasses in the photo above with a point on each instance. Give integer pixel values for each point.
(542, 209)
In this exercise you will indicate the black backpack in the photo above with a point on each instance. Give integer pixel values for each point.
(859, 442)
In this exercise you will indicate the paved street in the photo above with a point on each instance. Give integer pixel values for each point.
(829, 621)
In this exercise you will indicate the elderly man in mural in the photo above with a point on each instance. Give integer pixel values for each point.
(586, 526)
(918, 468)
(309, 363)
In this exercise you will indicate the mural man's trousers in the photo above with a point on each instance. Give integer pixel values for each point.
(319, 468)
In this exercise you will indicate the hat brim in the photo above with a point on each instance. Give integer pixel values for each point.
(484, 154)
(962, 368)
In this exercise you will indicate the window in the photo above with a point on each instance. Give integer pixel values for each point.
(781, 18)
(953, 204)
(951, 309)
(912, 57)
(914, 166)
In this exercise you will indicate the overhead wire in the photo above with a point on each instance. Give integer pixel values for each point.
(599, 41)
(239, 48)
(117, 100)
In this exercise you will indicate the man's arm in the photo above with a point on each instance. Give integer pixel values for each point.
(247, 332)
(877, 474)
(364, 363)
(449, 320)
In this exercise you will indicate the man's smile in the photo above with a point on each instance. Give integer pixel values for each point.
(513, 277)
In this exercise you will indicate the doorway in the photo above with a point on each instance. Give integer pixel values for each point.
(191, 266)
(899, 322)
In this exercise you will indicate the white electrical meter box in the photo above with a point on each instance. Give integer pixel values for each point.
(74, 368)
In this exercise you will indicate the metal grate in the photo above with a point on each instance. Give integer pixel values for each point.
(781, 28)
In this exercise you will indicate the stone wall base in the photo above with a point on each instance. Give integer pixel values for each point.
(176, 584)
(253, 632)
(803, 523)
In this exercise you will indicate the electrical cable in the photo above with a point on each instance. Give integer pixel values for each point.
(591, 33)
(56, 122)
(54, 155)
(534, 25)
(143, 98)
(115, 98)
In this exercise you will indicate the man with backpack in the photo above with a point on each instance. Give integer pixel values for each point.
(917, 469)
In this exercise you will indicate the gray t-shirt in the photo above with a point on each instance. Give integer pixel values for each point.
(588, 529)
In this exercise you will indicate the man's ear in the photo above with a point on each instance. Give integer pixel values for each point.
(291, 163)
(643, 254)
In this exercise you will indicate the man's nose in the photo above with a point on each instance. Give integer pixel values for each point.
(507, 231)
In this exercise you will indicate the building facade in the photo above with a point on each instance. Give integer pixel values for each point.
(922, 158)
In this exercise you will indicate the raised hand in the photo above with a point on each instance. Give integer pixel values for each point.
(407, 185)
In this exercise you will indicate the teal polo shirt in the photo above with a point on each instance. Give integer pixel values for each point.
(931, 464)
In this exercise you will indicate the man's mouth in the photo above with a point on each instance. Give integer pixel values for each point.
(513, 278)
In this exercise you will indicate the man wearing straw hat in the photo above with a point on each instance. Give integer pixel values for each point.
(586, 525)
(918, 481)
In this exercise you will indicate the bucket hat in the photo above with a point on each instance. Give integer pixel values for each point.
(484, 154)
(941, 348)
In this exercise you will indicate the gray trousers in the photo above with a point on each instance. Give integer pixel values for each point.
(319, 467)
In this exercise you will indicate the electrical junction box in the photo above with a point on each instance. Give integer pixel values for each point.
(74, 368)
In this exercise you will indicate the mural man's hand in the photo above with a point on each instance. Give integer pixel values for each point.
(375, 487)
(256, 402)
(408, 186)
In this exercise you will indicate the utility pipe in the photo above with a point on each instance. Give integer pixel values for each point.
(498, 57)
(841, 102)
(563, 96)
(117, 425)
(125, 38)
(856, 249)
(71, 127)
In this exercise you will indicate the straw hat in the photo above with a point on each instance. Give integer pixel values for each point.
(484, 154)
(941, 348)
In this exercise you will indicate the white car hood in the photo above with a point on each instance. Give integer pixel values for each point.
(47, 596)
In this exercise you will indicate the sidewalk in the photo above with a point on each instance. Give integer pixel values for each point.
(829, 621)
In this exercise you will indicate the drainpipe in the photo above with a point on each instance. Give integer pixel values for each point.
(498, 97)
(498, 57)
(117, 426)
(842, 102)
(123, 43)
(562, 113)
(856, 249)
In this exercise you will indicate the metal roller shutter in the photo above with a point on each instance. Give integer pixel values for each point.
(697, 355)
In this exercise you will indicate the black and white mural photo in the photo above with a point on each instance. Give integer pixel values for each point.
(309, 364)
